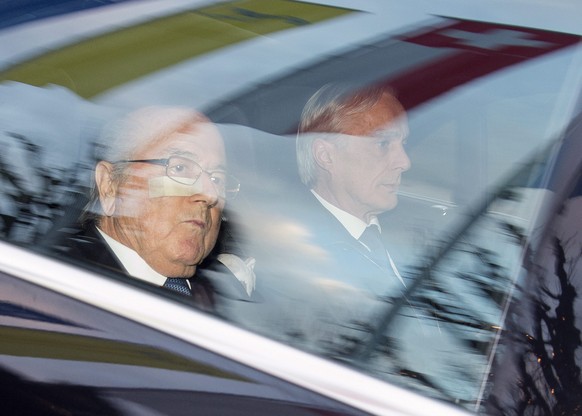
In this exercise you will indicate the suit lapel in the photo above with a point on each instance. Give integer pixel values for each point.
(89, 246)
(333, 234)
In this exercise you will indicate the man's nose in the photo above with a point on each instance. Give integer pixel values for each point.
(402, 160)
(209, 193)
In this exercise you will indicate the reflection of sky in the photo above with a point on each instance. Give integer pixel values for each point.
(506, 117)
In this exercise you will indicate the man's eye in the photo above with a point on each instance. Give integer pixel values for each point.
(218, 179)
(383, 143)
(182, 170)
(179, 170)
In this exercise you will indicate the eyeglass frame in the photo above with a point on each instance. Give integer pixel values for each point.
(166, 163)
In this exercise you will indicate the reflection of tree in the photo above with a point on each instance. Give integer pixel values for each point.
(466, 296)
(462, 295)
(464, 292)
(564, 340)
(464, 286)
(487, 278)
(548, 368)
(34, 195)
(539, 374)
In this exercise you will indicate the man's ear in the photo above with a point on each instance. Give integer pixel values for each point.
(106, 187)
(323, 153)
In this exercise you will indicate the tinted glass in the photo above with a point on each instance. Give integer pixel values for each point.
(482, 110)
(537, 368)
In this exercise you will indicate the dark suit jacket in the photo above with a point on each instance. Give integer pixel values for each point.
(87, 247)
(350, 262)
(319, 285)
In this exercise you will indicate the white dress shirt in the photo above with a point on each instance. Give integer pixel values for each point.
(355, 227)
(133, 263)
(138, 268)
(351, 223)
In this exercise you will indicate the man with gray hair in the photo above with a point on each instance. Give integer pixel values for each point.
(159, 192)
(330, 278)
(350, 153)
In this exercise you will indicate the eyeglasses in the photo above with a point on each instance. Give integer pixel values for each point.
(187, 172)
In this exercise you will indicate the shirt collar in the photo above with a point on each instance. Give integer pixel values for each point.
(351, 223)
(132, 262)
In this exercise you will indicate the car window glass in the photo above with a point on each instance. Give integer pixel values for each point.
(540, 342)
(486, 108)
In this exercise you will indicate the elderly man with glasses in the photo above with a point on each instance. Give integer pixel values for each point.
(156, 207)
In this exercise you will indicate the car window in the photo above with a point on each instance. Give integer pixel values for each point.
(482, 110)
(542, 337)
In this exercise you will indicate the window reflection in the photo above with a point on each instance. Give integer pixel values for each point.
(454, 221)
(47, 134)
(537, 370)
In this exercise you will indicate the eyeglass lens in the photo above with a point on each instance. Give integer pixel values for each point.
(187, 171)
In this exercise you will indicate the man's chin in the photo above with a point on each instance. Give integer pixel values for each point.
(390, 204)
(183, 271)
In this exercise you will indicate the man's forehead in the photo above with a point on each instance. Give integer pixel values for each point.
(196, 139)
(397, 125)
(199, 145)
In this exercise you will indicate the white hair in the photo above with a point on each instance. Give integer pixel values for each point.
(127, 136)
(329, 110)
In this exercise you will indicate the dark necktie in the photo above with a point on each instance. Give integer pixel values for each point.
(178, 284)
(373, 243)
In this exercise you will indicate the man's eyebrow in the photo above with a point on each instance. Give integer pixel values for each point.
(178, 152)
(391, 131)
(219, 168)
(194, 157)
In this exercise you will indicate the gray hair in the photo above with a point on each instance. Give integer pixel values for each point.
(329, 110)
(127, 136)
